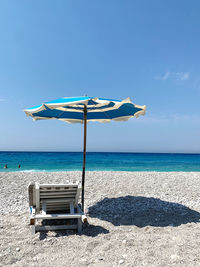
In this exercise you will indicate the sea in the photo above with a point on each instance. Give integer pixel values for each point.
(98, 161)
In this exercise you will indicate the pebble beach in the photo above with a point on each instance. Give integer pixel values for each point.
(134, 219)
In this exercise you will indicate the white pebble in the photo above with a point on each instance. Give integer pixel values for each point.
(174, 257)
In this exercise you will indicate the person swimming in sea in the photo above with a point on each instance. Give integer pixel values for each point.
(6, 166)
(19, 166)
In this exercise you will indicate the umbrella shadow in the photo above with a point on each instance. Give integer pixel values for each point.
(142, 211)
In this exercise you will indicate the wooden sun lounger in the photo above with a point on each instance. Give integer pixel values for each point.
(55, 201)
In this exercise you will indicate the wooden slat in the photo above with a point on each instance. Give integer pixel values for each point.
(64, 203)
(53, 208)
(58, 196)
(59, 188)
(57, 216)
(54, 200)
(57, 193)
(58, 185)
(58, 205)
(57, 208)
(55, 227)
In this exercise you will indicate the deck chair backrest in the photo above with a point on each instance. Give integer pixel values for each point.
(57, 197)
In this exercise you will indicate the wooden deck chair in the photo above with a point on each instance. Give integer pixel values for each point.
(55, 201)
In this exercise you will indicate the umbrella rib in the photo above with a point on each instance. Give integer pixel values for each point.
(62, 112)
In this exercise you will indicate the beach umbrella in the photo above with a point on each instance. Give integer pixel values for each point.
(85, 109)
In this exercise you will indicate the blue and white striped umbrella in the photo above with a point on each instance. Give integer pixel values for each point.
(84, 109)
(70, 109)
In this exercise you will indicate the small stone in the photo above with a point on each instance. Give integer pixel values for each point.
(92, 245)
(174, 257)
(17, 249)
(124, 255)
(83, 261)
(13, 260)
(124, 241)
(121, 261)
(130, 243)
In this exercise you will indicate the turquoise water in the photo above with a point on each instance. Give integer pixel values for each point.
(68, 161)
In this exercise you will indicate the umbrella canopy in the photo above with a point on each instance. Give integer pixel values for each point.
(98, 109)
(84, 109)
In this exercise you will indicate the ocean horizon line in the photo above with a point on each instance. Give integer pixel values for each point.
(117, 152)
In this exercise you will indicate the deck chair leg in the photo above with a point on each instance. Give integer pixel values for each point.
(32, 221)
(33, 230)
(79, 226)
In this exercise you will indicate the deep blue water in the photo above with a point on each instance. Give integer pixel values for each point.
(95, 161)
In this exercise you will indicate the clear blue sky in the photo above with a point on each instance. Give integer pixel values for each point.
(146, 50)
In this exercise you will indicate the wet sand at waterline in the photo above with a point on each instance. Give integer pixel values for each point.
(134, 219)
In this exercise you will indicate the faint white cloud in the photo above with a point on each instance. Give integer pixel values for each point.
(165, 76)
(182, 76)
(2, 100)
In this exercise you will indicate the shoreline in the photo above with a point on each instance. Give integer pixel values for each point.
(66, 171)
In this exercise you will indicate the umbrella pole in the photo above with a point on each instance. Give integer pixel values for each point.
(84, 154)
